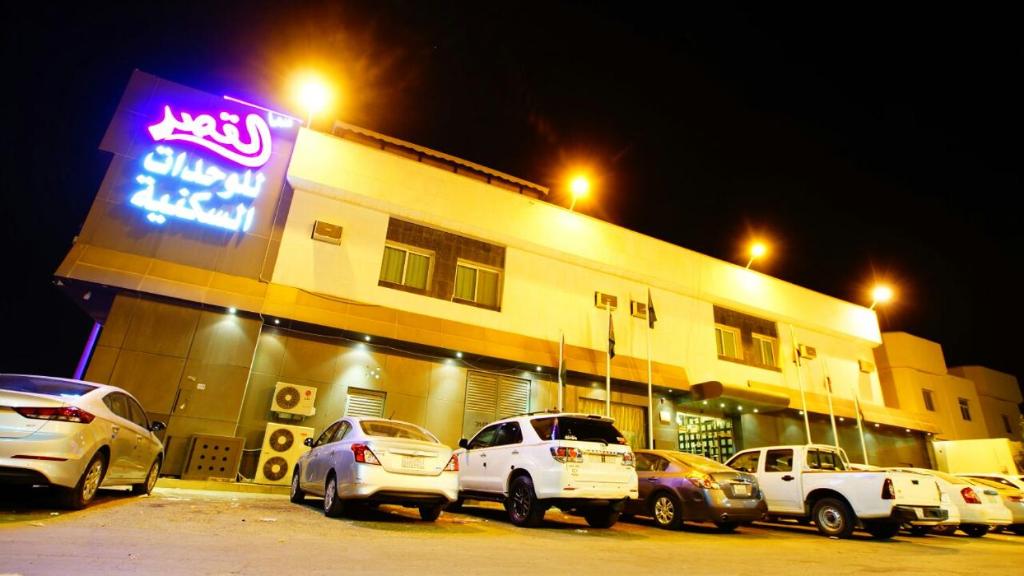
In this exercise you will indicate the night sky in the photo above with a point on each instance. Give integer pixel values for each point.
(863, 143)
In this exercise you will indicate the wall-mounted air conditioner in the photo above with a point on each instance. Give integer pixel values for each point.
(808, 352)
(326, 232)
(866, 366)
(638, 309)
(282, 446)
(606, 301)
(294, 399)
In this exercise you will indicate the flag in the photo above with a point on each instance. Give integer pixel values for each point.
(651, 316)
(611, 336)
(561, 359)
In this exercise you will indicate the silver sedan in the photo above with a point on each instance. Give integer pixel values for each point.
(376, 461)
(75, 436)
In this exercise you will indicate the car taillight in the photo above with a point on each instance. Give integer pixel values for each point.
(703, 481)
(364, 454)
(1015, 498)
(566, 454)
(62, 414)
(628, 459)
(453, 464)
(888, 491)
(970, 496)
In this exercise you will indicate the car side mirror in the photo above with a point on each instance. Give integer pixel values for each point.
(308, 442)
(156, 426)
(463, 443)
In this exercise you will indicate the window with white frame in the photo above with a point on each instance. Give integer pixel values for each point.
(406, 266)
(965, 409)
(728, 340)
(479, 284)
(766, 346)
(929, 399)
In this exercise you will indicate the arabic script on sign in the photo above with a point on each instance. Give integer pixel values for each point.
(223, 137)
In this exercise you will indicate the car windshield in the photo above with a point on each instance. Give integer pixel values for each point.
(699, 463)
(47, 386)
(388, 429)
(577, 428)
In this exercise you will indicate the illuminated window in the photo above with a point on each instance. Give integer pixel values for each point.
(929, 399)
(475, 283)
(766, 349)
(965, 409)
(728, 340)
(405, 266)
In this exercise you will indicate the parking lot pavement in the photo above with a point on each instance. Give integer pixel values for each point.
(198, 532)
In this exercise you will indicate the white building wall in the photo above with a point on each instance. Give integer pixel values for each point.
(555, 260)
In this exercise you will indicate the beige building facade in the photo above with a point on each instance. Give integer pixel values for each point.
(385, 274)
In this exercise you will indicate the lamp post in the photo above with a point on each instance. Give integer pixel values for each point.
(314, 95)
(757, 249)
(579, 187)
(880, 295)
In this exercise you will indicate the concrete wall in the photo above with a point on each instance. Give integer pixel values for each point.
(999, 395)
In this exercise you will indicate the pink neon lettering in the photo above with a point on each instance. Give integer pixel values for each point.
(226, 141)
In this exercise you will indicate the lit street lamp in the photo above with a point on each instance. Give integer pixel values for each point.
(579, 187)
(314, 96)
(880, 295)
(757, 249)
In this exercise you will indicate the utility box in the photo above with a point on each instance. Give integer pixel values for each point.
(995, 455)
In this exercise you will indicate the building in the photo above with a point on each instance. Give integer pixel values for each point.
(229, 250)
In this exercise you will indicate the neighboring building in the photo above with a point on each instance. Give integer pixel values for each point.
(963, 403)
(400, 281)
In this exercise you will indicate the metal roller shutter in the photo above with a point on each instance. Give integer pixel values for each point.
(490, 397)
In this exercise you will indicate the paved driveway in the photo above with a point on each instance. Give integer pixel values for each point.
(201, 532)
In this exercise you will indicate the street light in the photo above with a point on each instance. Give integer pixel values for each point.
(579, 187)
(313, 94)
(757, 249)
(880, 295)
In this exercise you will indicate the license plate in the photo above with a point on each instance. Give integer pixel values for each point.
(412, 462)
(741, 489)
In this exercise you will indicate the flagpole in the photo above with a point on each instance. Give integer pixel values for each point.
(800, 381)
(561, 359)
(650, 391)
(608, 371)
(831, 412)
(860, 427)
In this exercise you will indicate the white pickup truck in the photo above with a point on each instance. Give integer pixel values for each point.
(815, 482)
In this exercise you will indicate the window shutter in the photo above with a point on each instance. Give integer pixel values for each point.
(365, 403)
(513, 396)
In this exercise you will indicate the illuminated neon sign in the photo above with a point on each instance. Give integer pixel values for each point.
(195, 183)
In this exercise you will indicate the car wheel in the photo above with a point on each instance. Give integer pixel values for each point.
(833, 518)
(667, 510)
(883, 530)
(975, 530)
(601, 517)
(523, 507)
(296, 495)
(83, 493)
(921, 530)
(431, 513)
(150, 483)
(456, 506)
(332, 503)
(727, 526)
(944, 529)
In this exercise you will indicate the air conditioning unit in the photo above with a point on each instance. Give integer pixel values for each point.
(282, 446)
(638, 309)
(808, 352)
(326, 232)
(294, 399)
(606, 301)
(866, 366)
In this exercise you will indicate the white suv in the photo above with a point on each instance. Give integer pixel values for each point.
(577, 462)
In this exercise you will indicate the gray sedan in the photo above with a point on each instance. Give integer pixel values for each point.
(676, 486)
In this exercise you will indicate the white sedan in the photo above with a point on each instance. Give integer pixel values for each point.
(981, 508)
(376, 461)
(75, 436)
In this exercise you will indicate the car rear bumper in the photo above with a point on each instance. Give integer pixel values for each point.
(720, 508)
(920, 515)
(375, 484)
(48, 456)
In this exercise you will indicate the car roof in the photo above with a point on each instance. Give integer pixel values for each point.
(99, 387)
(539, 415)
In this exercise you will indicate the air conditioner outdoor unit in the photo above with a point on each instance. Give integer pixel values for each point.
(638, 309)
(606, 301)
(294, 399)
(866, 366)
(808, 352)
(282, 447)
(327, 232)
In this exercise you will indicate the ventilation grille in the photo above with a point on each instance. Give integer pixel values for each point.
(213, 457)
(481, 392)
(367, 403)
(513, 397)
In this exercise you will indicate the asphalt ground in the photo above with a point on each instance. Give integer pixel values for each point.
(177, 531)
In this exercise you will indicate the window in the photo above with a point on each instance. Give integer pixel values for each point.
(577, 428)
(392, 429)
(824, 460)
(746, 462)
(965, 409)
(509, 434)
(485, 438)
(138, 414)
(929, 399)
(43, 385)
(405, 266)
(1006, 424)
(118, 404)
(474, 283)
(341, 432)
(327, 434)
(766, 349)
(728, 339)
(778, 461)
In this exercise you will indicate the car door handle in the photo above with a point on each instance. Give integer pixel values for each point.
(515, 452)
(483, 455)
(787, 478)
(114, 431)
(652, 479)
